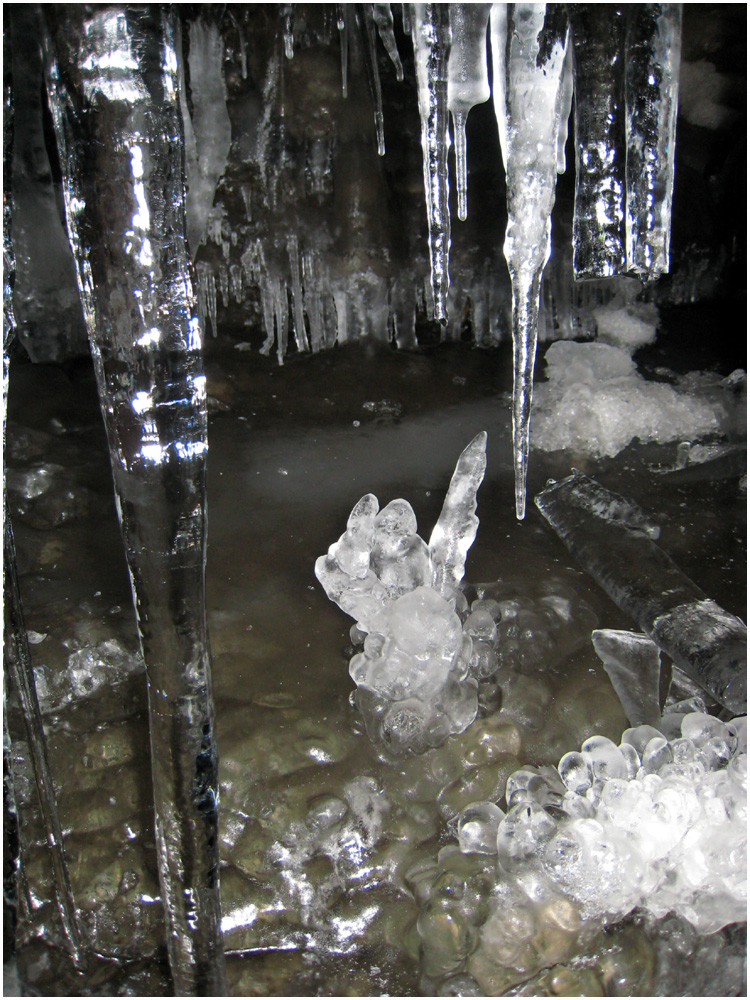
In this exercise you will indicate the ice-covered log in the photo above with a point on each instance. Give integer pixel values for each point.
(431, 35)
(598, 36)
(702, 639)
(113, 88)
(530, 59)
(653, 45)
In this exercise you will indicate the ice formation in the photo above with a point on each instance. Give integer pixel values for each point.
(658, 822)
(416, 677)
(113, 86)
(595, 402)
(607, 538)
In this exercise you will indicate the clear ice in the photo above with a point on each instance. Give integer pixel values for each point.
(530, 57)
(431, 36)
(416, 677)
(468, 84)
(703, 640)
(119, 130)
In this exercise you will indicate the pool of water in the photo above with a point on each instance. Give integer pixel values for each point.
(313, 903)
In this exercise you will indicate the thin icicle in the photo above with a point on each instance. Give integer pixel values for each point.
(367, 27)
(498, 38)
(406, 18)
(431, 36)
(381, 14)
(535, 46)
(598, 37)
(651, 88)
(468, 84)
(287, 21)
(300, 334)
(343, 25)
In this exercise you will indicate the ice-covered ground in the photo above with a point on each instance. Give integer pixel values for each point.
(329, 846)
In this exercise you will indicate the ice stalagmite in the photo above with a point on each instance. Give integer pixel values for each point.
(431, 35)
(456, 528)
(531, 63)
(653, 44)
(467, 79)
(598, 35)
(113, 89)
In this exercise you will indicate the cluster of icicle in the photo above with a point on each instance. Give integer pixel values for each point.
(622, 65)
(658, 822)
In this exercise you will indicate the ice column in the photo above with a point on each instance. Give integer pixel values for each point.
(431, 35)
(113, 89)
(530, 43)
(651, 85)
(467, 79)
(17, 658)
(598, 35)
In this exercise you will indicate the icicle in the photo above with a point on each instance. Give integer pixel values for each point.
(598, 34)
(498, 40)
(381, 13)
(343, 25)
(224, 285)
(313, 306)
(535, 46)
(406, 18)
(287, 20)
(208, 132)
(113, 91)
(236, 279)
(651, 88)
(300, 334)
(366, 23)
(281, 309)
(467, 79)
(267, 304)
(432, 40)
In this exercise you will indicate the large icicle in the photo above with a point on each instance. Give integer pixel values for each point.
(366, 24)
(431, 36)
(533, 55)
(467, 79)
(651, 85)
(598, 35)
(381, 13)
(113, 89)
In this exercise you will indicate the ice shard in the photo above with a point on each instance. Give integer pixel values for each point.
(468, 84)
(633, 664)
(653, 46)
(456, 528)
(431, 35)
(530, 67)
(598, 37)
(112, 80)
(702, 639)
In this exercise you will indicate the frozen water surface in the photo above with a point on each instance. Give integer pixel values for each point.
(331, 851)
